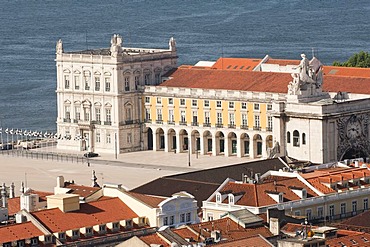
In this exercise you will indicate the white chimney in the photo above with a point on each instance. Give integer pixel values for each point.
(3, 196)
(60, 182)
(12, 191)
(356, 163)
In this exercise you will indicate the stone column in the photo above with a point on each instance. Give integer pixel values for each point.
(202, 149)
(238, 146)
(155, 140)
(227, 148)
(178, 142)
(214, 145)
(166, 142)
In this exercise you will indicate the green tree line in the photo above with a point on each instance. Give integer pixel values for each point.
(361, 60)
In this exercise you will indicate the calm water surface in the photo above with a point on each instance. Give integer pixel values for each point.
(204, 30)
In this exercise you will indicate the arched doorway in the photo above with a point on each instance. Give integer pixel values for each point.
(171, 140)
(207, 142)
(257, 144)
(245, 142)
(233, 144)
(184, 141)
(269, 142)
(195, 138)
(150, 139)
(220, 142)
(160, 139)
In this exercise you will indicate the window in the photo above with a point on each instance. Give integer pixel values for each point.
(159, 100)
(218, 198)
(182, 101)
(206, 117)
(128, 113)
(194, 102)
(183, 118)
(129, 138)
(171, 116)
(295, 138)
(77, 113)
(182, 218)
(165, 221)
(269, 123)
(159, 114)
(320, 212)
(108, 116)
(219, 118)
(218, 103)
(231, 105)
(157, 78)
(170, 101)
(354, 206)
(231, 118)
(115, 225)
(343, 208)
(288, 137)
(231, 199)
(107, 84)
(147, 99)
(97, 114)
(77, 82)
(127, 83)
(172, 219)
(75, 233)
(244, 120)
(102, 228)
(98, 137)
(66, 81)
(188, 217)
(257, 121)
(147, 79)
(331, 210)
(195, 117)
(137, 81)
(244, 105)
(147, 114)
(256, 106)
(34, 241)
(309, 213)
(269, 107)
(303, 138)
(97, 83)
(86, 114)
(206, 103)
(108, 140)
(68, 112)
(297, 213)
(62, 235)
(366, 204)
(210, 217)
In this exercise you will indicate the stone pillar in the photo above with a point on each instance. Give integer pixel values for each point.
(252, 144)
(166, 143)
(238, 146)
(214, 145)
(155, 141)
(178, 142)
(202, 149)
(227, 148)
(264, 148)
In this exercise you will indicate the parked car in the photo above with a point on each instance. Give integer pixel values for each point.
(91, 155)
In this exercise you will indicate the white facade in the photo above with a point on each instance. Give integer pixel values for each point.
(99, 94)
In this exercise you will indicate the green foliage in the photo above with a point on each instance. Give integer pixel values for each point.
(361, 60)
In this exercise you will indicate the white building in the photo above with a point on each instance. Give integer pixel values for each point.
(99, 94)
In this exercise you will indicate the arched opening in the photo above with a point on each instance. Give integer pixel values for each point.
(233, 144)
(296, 138)
(150, 139)
(303, 138)
(160, 138)
(171, 139)
(257, 143)
(220, 143)
(184, 141)
(288, 137)
(195, 138)
(245, 144)
(269, 142)
(207, 142)
(354, 154)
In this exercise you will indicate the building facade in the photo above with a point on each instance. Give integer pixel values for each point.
(99, 94)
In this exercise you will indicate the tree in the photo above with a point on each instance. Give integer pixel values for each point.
(360, 60)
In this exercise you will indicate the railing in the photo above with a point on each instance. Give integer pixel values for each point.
(244, 126)
(183, 123)
(219, 125)
(171, 122)
(96, 122)
(129, 121)
(148, 120)
(159, 121)
(75, 120)
(231, 126)
(66, 120)
(107, 123)
(206, 124)
(256, 127)
(194, 124)
(269, 129)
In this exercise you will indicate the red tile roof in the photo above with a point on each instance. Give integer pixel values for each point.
(346, 71)
(90, 214)
(282, 62)
(241, 64)
(150, 200)
(154, 239)
(81, 190)
(14, 205)
(255, 81)
(359, 239)
(252, 241)
(20, 231)
(292, 228)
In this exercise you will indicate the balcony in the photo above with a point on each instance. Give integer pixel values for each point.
(129, 121)
(269, 129)
(66, 120)
(97, 88)
(148, 120)
(159, 121)
(87, 88)
(107, 123)
(96, 122)
(171, 123)
(75, 120)
(219, 125)
(244, 126)
(231, 126)
(257, 128)
(194, 124)
(206, 124)
(183, 123)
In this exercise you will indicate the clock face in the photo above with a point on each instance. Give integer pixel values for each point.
(354, 129)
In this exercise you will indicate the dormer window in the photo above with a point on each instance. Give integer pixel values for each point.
(280, 197)
(102, 228)
(89, 231)
(231, 199)
(61, 235)
(218, 198)
(75, 233)
(304, 193)
(20, 243)
(48, 239)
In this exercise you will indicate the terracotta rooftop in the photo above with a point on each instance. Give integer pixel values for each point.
(252, 241)
(256, 195)
(355, 239)
(241, 64)
(90, 214)
(81, 190)
(14, 205)
(255, 81)
(292, 228)
(361, 221)
(154, 239)
(150, 200)
(282, 62)
(15, 232)
(346, 71)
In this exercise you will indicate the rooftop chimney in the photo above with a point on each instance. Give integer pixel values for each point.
(12, 191)
(356, 163)
(3, 196)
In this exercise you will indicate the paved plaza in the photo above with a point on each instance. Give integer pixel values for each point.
(129, 169)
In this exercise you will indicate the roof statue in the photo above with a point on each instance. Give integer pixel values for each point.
(59, 47)
(308, 77)
(172, 44)
(116, 45)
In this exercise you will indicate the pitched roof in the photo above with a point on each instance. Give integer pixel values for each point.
(82, 190)
(346, 71)
(357, 239)
(252, 241)
(154, 239)
(90, 214)
(256, 81)
(20, 231)
(14, 205)
(361, 221)
(241, 64)
(150, 200)
(282, 62)
(201, 184)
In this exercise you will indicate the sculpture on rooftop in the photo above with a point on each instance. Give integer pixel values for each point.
(116, 45)
(172, 44)
(59, 47)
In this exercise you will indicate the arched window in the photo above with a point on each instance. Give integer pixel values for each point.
(296, 138)
(303, 138)
(288, 137)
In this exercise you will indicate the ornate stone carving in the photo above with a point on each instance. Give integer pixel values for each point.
(353, 135)
(273, 152)
(116, 45)
(59, 47)
(172, 44)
